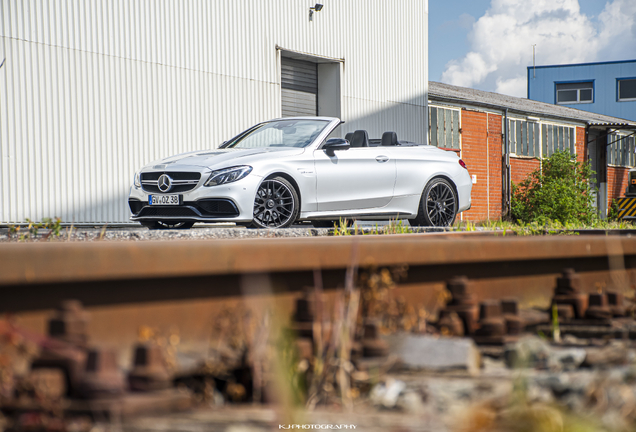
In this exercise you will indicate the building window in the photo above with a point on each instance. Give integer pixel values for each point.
(571, 93)
(627, 89)
(557, 138)
(444, 127)
(621, 151)
(539, 140)
(524, 138)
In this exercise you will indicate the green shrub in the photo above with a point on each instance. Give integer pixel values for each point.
(612, 214)
(560, 191)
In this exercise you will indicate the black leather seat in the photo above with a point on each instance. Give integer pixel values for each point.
(349, 136)
(360, 139)
(389, 139)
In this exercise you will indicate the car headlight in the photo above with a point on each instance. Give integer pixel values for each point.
(137, 180)
(228, 175)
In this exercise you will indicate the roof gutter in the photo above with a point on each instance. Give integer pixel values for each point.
(502, 108)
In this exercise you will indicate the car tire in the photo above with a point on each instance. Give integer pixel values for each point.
(438, 205)
(161, 225)
(276, 204)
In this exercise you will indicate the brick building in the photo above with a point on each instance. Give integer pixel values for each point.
(503, 138)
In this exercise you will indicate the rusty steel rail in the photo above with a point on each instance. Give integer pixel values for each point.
(38, 275)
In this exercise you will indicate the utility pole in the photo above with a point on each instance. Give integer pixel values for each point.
(534, 75)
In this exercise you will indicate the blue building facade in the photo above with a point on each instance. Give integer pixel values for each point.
(607, 88)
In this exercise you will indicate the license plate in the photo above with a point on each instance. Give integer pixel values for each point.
(164, 199)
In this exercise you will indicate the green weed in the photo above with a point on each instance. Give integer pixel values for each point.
(32, 229)
(344, 227)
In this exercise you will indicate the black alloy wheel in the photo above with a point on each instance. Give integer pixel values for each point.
(438, 206)
(275, 204)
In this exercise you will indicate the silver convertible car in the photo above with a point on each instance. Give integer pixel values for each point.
(288, 170)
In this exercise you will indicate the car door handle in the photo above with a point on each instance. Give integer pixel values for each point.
(381, 158)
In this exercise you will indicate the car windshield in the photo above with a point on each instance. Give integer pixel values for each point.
(280, 133)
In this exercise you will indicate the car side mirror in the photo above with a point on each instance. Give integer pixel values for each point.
(335, 144)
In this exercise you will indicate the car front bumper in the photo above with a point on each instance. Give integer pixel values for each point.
(233, 202)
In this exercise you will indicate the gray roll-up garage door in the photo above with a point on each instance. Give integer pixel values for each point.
(299, 82)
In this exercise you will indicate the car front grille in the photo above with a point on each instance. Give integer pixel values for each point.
(181, 181)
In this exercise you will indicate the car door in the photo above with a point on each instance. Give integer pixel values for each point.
(354, 179)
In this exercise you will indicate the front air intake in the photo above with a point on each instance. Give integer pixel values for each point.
(135, 206)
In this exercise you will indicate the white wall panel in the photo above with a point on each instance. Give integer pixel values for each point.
(93, 89)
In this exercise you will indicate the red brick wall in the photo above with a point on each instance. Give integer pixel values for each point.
(481, 150)
(616, 183)
(520, 168)
(581, 147)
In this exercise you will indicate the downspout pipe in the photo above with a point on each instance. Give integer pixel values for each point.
(508, 185)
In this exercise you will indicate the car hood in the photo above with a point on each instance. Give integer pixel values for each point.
(219, 158)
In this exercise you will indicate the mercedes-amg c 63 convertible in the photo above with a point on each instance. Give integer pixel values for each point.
(288, 170)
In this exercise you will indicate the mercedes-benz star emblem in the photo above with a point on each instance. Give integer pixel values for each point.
(164, 183)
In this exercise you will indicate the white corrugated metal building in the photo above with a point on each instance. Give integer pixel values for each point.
(91, 90)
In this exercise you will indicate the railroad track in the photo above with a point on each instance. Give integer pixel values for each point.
(39, 275)
(186, 283)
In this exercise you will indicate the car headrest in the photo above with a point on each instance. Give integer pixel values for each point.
(389, 139)
(349, 136)
(360, 139)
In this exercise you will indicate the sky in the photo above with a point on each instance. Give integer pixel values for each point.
(487, 44)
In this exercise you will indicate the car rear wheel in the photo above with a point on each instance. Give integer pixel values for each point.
(438, 205)
(276, 204)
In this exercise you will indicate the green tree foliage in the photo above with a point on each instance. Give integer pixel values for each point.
(560, 191)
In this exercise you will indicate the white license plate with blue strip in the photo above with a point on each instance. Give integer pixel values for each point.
(164, 199)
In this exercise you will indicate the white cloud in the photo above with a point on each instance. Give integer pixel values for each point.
(501, 41)
(512, 86)
(617, 35)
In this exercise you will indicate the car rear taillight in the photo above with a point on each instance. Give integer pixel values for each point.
(461, 162)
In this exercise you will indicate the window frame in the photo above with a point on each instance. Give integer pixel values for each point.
(578, 92)
(623, 152)
(548, 137)
(618, 88)
(454, 116)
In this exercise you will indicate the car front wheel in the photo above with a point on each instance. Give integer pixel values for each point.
(438, 205)
(276, 204)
